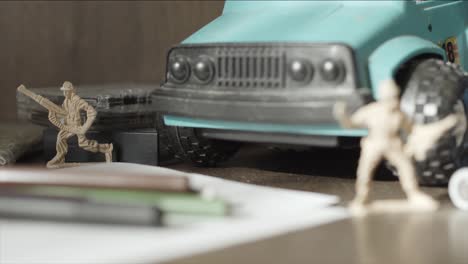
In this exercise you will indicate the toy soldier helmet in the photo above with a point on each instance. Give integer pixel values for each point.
(67, 86)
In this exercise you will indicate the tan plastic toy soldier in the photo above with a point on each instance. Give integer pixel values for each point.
(70, 123)
(385, 121)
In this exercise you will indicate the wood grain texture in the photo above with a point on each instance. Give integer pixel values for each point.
(47, 42)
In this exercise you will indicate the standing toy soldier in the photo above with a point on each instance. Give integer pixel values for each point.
(385, 121)
(70, 123)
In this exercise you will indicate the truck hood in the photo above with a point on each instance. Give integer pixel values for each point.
(349, 22)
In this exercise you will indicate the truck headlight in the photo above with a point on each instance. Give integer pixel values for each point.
(179, 69)
(331, 70)
(204, 70)
(301, 71)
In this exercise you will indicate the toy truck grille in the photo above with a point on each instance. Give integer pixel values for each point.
(262, 66)
(250, 67)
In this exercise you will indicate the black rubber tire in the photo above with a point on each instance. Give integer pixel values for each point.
(432, 92)
(186, 144)
(167, 149)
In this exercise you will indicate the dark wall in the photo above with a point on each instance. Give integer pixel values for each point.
(45, 43)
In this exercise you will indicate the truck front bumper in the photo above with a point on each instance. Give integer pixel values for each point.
(288, 110)
(314, 117)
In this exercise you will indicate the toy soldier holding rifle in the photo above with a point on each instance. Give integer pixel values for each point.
(385, 121)
(68, 119)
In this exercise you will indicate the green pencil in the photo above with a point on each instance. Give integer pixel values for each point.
(181, 203)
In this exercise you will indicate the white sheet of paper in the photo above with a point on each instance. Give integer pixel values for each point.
(259, 212)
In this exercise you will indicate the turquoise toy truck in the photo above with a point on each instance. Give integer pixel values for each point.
(272, 71)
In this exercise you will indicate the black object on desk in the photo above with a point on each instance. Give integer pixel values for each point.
(139, 146)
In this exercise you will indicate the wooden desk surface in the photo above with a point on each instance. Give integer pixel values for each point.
(440, 237)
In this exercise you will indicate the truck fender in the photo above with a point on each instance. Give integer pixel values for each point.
(385, 60)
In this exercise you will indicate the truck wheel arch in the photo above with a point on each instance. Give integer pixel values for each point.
(390, 59)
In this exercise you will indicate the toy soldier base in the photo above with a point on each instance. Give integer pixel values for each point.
(385, 121)
(70, 124)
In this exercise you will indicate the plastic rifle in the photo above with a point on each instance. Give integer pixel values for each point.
(46, 103)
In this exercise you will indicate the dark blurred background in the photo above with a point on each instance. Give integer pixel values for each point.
(44, 43)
